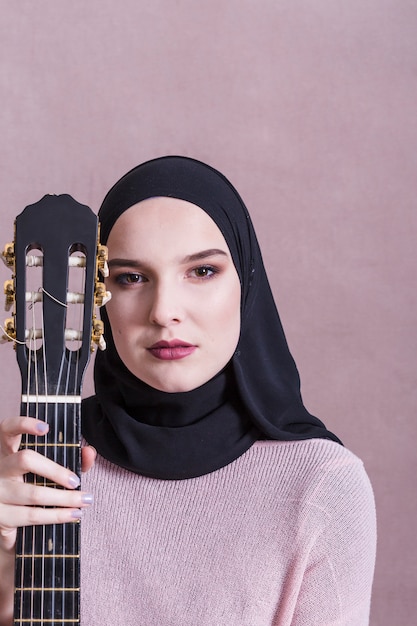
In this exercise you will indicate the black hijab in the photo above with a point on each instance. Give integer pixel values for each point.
(257, 395)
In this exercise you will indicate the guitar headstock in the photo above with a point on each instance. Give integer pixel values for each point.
(55, 260)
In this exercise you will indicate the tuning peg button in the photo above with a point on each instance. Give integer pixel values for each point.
(8, 255)
(102, 296)
(9, 330)
(102, 256)
(9, 293)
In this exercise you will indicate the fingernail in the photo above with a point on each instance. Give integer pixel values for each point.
(74, 481)
(87, 498)
(77, 514)
(42, 427)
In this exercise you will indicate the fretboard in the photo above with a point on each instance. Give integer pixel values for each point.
(47, 577)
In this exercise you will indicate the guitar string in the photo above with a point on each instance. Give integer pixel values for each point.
(57, 459)
(32, 355)
(76, 450)
(54, 528)
(35, 531)
(74, 582)
(73, 355)
(44, 441)
(32, 533)
(42, 530)
(25, 530)
(63, 461)
(52, 562)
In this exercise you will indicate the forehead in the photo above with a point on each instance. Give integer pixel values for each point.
(166, 221)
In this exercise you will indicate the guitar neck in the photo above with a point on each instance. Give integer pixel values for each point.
(47, 579)
(55, 260)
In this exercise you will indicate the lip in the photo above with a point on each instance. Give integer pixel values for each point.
(171, 350)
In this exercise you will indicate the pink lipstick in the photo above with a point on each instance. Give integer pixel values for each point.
(171, 350)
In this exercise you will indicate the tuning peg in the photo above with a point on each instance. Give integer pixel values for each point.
(101, 296)
(9, 293)
(8, 255)
(102, 256)
(97, 335)
(9, 330)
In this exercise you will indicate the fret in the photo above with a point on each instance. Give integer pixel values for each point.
(43, 620)
(47, 556)
(50, 399)
(69, 589)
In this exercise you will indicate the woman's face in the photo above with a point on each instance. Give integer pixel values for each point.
(175, 307)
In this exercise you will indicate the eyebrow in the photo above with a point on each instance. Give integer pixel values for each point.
(197, 256)
(204, 254)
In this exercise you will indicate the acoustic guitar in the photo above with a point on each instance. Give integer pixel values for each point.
(55, 259)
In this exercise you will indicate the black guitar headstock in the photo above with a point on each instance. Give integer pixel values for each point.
(55, 259)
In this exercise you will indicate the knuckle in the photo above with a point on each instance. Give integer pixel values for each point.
(26, 459)
(35, 496)
(33, 516)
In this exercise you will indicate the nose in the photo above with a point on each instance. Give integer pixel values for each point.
(166, 308)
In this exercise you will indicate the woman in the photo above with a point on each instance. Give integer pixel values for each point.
(219, 500)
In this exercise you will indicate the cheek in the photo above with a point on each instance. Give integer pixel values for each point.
(123, 311)
(226, 321)
(120, 322)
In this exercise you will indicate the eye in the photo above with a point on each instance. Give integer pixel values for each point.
(130, 278)
(204, 271)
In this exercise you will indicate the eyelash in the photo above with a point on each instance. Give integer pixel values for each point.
(126, 277)
(210, 268)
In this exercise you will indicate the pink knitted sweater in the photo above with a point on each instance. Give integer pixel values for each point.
(284, 535)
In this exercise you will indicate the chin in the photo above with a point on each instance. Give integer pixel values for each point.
(173, 387)
(174, 384)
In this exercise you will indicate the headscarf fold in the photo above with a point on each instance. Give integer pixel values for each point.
(257, 396)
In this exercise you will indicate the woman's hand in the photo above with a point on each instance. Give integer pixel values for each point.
(21, 504)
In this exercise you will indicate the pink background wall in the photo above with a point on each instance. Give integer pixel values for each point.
(310, 108)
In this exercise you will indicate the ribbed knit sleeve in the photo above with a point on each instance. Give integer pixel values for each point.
(283, 536)
(337, 567)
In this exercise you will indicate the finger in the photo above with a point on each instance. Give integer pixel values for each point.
(33, 516)
(12, 429)
(88, 457)
(27, 494)
(26, 461)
